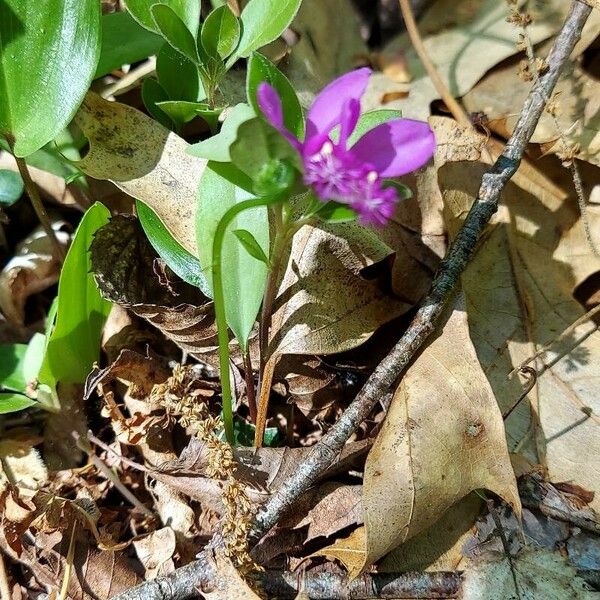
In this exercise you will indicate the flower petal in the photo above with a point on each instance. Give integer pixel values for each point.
(396, 147)
(326, 110)
(350, 115)
(269, 103)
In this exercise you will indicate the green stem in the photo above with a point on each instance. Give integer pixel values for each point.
(219, 303)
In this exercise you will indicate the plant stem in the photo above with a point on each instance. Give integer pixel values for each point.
(250, 389)
(39, 209)
(219, 303)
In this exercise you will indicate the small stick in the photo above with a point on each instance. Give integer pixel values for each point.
(442, 89)
(40, 210)
(4, 587)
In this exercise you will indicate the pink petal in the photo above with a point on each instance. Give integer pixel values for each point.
(396, 147)
(326, 111)
(269, 103)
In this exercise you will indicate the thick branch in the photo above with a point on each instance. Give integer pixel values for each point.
(184, 582)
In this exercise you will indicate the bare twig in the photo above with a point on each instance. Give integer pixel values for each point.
(442, 89)
(184, 581)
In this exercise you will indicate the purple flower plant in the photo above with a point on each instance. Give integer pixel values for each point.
(354, 175)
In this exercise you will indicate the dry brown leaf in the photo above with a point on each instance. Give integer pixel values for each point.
(324, 305)
(21, 464)
(538, 574)
(469, 39)
(350, 551)
(32, 269)
(519, 292)
(443, 437)
(155, 552)
(145, 160)
(230, 585)
(576, 102)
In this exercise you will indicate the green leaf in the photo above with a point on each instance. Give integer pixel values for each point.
(182, 112)
(335, 212)
(178, 75)
(173, 29)
(11, 187)
(178, 259)
(262, 22)
(124, 42)
(252, 246)
(152, 94)
(49, 55)
(262, 69)
(244, 277)
(220, 33)
(11, 367)
(258, 147)
(10, 403)
(216, 148)
(370, 120)
(404, 192)
(187, 10)
(74, 344)
(243, 433)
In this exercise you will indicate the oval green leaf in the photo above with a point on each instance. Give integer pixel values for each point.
(244, 277)
(252, 246)
(10, 403)
(220, 33)
(49, 54)
(173, 29)
(187, 10)
(262, 22)
(262, 69)
(11, 187)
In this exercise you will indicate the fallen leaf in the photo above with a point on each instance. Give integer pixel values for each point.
(21, 464)
(576, 102)
(145, 160)
(155, 551)
(519, 294)
(230, 584)
(32, 269)
(430, 469)
(468, 40)
(350, 551)
(533, 575)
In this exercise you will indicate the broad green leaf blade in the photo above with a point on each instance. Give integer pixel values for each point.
(74, 343)
(20, 363)
(179, 260)
(335, 212)
(10, 403)
(220, 33)
(262, 22)
(262, 69)
(11, 367)
(370, 120)
(124, 42)
(152, 94)
(244, 277)
(49, 54)
(11, 187)
(178, 75)
(173, 29)
(182, 112)
(187, 10)
(252, 246)
(216, 148)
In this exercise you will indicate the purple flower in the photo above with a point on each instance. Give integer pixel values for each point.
(354, 175)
